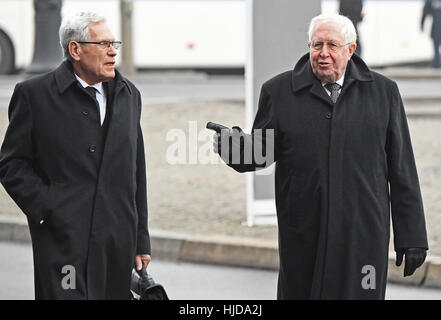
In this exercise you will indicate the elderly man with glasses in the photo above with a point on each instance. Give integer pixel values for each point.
(343, 159)
(73, 161)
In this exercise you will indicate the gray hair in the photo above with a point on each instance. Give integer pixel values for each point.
(343, 23)
(76, 27)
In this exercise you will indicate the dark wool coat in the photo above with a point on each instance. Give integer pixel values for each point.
(86, 182)
(334, 167)
(433, 7)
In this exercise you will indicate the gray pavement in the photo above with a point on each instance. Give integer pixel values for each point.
(168, 87)
(195, 218)
(164, 87)
(182, 280)
(420, 88)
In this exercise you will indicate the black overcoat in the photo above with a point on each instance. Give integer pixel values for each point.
(334, 167)
(433, 7)
(82, 186)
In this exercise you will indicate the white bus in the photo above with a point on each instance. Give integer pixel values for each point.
(211, 33)
(390, 32)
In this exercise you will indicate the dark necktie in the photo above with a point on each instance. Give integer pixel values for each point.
(92, 91)
(333, 87)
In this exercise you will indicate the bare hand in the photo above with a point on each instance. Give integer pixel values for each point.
(142, 258)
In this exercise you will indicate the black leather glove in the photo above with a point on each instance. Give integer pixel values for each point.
(414, 258)
(233, 141)
(218, 137)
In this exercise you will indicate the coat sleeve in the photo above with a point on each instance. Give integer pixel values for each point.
(143, 238)
(17, 163)
(426, 10)
(406, 202)
(263, 137)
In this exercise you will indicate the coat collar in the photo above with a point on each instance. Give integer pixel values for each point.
(302, 75)
(64, 78)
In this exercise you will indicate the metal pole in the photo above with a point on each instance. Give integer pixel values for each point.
(127, 66)
(47, 51)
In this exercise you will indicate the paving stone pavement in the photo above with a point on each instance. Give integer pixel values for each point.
(209, 199)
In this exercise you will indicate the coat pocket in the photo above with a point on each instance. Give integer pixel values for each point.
(52, 200)
(49, 201)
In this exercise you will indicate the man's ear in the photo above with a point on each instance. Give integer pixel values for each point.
(74, 50)
(351, 49)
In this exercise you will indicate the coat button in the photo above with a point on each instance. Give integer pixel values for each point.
(92, 148)
(329, 115)
(85, 112)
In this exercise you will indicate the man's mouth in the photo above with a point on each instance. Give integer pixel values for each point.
(110, 64)
(324, 64)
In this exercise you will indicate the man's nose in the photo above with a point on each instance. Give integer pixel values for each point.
(324, 52)
(112, 51)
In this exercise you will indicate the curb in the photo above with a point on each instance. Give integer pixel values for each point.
(225, 250)
(14, 230)
(234, 251)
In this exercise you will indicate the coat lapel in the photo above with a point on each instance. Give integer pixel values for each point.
(318, 91)
(115, 89)
(356, 70)
(303, 77)
(64, 76)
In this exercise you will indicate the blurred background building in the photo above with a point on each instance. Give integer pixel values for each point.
(211, 35)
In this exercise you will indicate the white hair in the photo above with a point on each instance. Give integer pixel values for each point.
(76, 27)
(343, 23)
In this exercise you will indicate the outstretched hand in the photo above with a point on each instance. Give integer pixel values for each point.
(229, 143)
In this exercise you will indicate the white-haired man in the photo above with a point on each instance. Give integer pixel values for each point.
(341, 140)
(73, 161)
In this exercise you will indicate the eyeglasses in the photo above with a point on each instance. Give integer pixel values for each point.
(332, 45)
(104, 44)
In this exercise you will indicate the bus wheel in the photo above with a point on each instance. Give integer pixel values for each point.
(6, 55)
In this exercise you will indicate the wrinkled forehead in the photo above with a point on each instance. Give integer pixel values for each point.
(100, 31)
(327, 31)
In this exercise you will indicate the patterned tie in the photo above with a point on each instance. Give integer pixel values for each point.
(333, 87)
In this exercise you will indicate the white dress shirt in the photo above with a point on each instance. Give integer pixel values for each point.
(99, 94)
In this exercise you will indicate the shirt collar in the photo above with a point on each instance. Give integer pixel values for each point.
(98, 86)
(339, 81)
